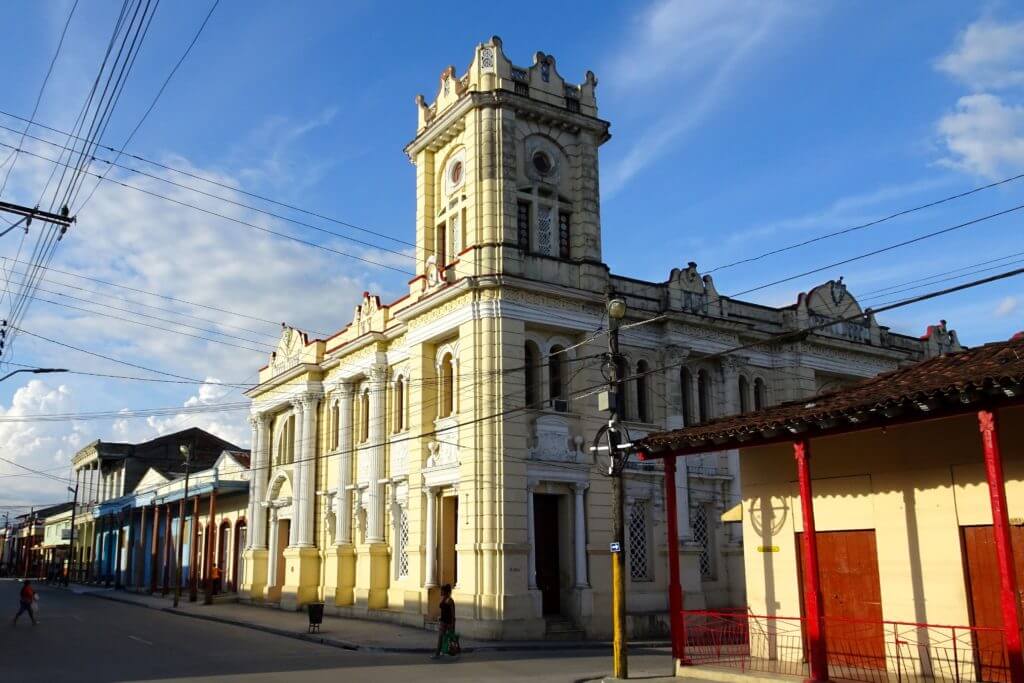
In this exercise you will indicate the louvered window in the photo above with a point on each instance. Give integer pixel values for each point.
(639, 562)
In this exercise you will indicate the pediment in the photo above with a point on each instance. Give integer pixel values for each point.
(289, 349)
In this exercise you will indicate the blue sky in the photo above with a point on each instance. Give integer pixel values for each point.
(737, 128)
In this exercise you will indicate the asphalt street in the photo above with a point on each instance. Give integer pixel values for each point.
(84, 638)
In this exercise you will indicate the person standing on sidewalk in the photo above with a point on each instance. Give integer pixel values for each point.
(446, 623)
(27, 598)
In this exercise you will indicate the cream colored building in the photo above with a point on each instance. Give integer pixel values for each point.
(907, 484)
(443, 437)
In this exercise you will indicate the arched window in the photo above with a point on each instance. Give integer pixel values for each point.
(744, 388)
(621, 404)
(641, 391)
(364, 416)
(555, 389)
(685, 382)
(760, 394)
(447, 386)
(530, 373)
(703, 398)
(286, 441)
(335, 424)
(399, 407)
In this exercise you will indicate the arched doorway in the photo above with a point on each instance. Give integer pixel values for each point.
(223, 553)
(238, 566)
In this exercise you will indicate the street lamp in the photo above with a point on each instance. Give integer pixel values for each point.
(186, 452)
(36, 371)
(616, 307)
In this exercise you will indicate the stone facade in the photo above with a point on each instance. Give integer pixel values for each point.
(443, 438)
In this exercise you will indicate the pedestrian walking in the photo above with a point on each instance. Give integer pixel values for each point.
(447, 639)
(27, 599)
(215, 576)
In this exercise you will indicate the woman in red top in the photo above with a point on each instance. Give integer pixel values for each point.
(27, 597)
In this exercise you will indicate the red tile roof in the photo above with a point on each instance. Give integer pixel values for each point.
(950, 384)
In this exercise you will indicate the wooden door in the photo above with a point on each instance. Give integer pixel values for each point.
(983, 587)
(545, 536)
(851, 598)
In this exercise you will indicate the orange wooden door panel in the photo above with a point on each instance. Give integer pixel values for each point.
(851, 598)
(982, 569)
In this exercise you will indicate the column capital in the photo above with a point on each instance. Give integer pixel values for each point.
(378, 373)
(580, 487)
(675, 355)
(345, 388)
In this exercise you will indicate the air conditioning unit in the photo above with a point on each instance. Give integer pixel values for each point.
(560, 405)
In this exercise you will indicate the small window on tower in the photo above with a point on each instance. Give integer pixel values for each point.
(563, 234)
(542, 163)
(456, 173)
(523, 226)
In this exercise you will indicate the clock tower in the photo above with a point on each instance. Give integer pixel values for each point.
(507, 174)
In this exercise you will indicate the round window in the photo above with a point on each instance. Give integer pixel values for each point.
(542, 163)
(455, 173)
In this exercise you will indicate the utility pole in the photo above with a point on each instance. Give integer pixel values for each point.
(71, 538)
(616, 448)
(186, 451)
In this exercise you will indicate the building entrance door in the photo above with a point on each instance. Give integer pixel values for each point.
(449, 565)
(283, 530)
(983, 590)
(545, 534)
(851, 598)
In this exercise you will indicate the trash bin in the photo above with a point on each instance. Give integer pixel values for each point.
(316, 616)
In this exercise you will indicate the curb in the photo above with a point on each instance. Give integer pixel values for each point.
(348, 645)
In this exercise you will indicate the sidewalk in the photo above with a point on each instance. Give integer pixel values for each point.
(349, 634)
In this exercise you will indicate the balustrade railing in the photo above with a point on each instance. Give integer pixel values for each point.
(876, 651)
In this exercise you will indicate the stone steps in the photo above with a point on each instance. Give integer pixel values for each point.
(561, 628)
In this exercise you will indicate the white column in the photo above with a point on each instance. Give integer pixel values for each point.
(343, 497)
(730, 375)
(297, 472)
(581, 535)
(274, 549)
(375, 490)
(307, 465)
(258, 481)
(431, 545)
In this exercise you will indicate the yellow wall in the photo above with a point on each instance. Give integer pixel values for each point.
(914, 485)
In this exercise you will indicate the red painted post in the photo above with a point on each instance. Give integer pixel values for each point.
(210, 546)
(675, 590)
(1004, 550)
(812, 579)
(153, 551)
(165, 569)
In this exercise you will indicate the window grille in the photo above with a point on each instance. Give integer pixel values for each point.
(523, 226)
(573, 105)
(522, 89)
(639, 566)
(403, 544)
(563, 234)
(702, 537)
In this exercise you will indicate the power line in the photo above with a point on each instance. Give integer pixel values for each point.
(226, 217)
(162, 296)
(875, 252)
(39, 97)
(156, 98)
(232, 188)
(869, 224)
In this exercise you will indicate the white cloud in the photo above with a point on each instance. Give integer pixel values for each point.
(987, 55)
(44, 446)
(695, 49)
(1007, 306)
(130, 238)
(984, 136)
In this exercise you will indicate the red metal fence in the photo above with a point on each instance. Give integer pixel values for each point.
(856, 650)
